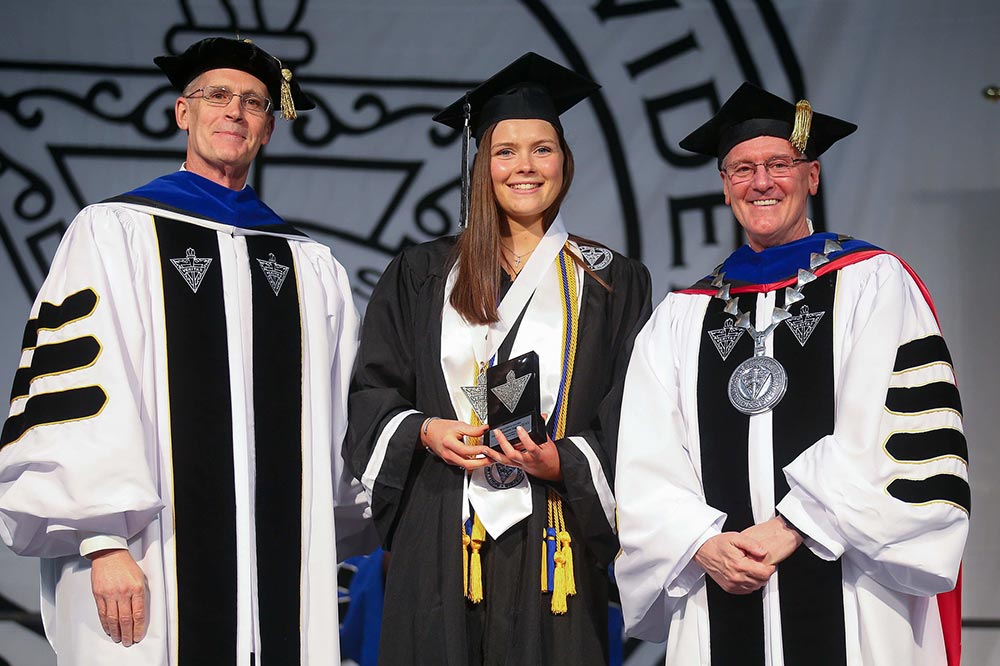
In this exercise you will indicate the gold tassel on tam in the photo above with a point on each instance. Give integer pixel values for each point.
(287, 104)
(802, 126)
(475, 594)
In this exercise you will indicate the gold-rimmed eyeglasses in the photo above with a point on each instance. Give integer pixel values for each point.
(776, 167)
(219, 96)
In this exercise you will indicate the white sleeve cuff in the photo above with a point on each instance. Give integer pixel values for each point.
(692, 572)
(378, 454)
(809, 516)
(601, 485)
(97, 542)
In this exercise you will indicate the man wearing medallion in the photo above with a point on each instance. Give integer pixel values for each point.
(173, 446)
(803, 497)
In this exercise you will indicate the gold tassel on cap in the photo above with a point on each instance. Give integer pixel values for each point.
(803, 123)
(287, 104)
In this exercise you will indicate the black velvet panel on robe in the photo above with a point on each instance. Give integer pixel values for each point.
(810, 589)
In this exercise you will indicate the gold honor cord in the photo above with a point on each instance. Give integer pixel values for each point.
(564, 582)
(472, 540)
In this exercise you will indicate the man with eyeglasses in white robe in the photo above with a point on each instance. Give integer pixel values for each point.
(173, 446)
(802, 495)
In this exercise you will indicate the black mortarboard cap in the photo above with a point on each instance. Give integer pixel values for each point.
(751, 112)
(531, 87)
(223, 53)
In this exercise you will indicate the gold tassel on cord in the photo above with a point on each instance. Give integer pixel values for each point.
(567, 551)
(287, 104)
(466, 540)
(475, 594)
(559, 606)
(802, 126)
(545, 569)
(564, 584)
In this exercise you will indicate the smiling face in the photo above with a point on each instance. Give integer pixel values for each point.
(526, 166)
(772, 211)
(223, 140)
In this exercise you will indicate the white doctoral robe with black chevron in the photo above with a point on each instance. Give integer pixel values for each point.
(183, 386)
(864, 454)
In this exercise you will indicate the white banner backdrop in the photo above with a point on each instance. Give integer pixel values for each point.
(84, 115)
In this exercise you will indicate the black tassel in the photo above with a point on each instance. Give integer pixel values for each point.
(463, 215)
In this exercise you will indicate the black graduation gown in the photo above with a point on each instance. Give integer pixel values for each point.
(417, 498)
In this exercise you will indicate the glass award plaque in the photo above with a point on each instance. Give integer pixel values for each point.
(513, 399)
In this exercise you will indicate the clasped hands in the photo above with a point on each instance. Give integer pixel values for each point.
(742, 562)
(445, 439)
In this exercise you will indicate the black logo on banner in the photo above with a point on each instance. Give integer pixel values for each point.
(327, 173)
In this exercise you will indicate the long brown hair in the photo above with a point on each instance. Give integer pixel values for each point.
(478, 248)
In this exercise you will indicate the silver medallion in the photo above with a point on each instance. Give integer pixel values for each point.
(757, 385)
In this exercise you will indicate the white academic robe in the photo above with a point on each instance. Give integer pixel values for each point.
(895, 555)
(107, 467)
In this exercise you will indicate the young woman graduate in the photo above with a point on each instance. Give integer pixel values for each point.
(498, 555)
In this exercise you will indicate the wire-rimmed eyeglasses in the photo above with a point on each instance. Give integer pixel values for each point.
(776, 167)
(219, 96)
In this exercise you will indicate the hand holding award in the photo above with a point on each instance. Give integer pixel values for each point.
(513, 399)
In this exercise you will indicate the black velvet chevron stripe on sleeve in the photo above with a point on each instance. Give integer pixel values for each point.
(938, 488)
(923, 351)
(916, 399)
(52, 317)
(927, 445)
(50, 408)
(72, 404)
(56, 358)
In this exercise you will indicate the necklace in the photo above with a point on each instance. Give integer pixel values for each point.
(517, 257)
(759, 383)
